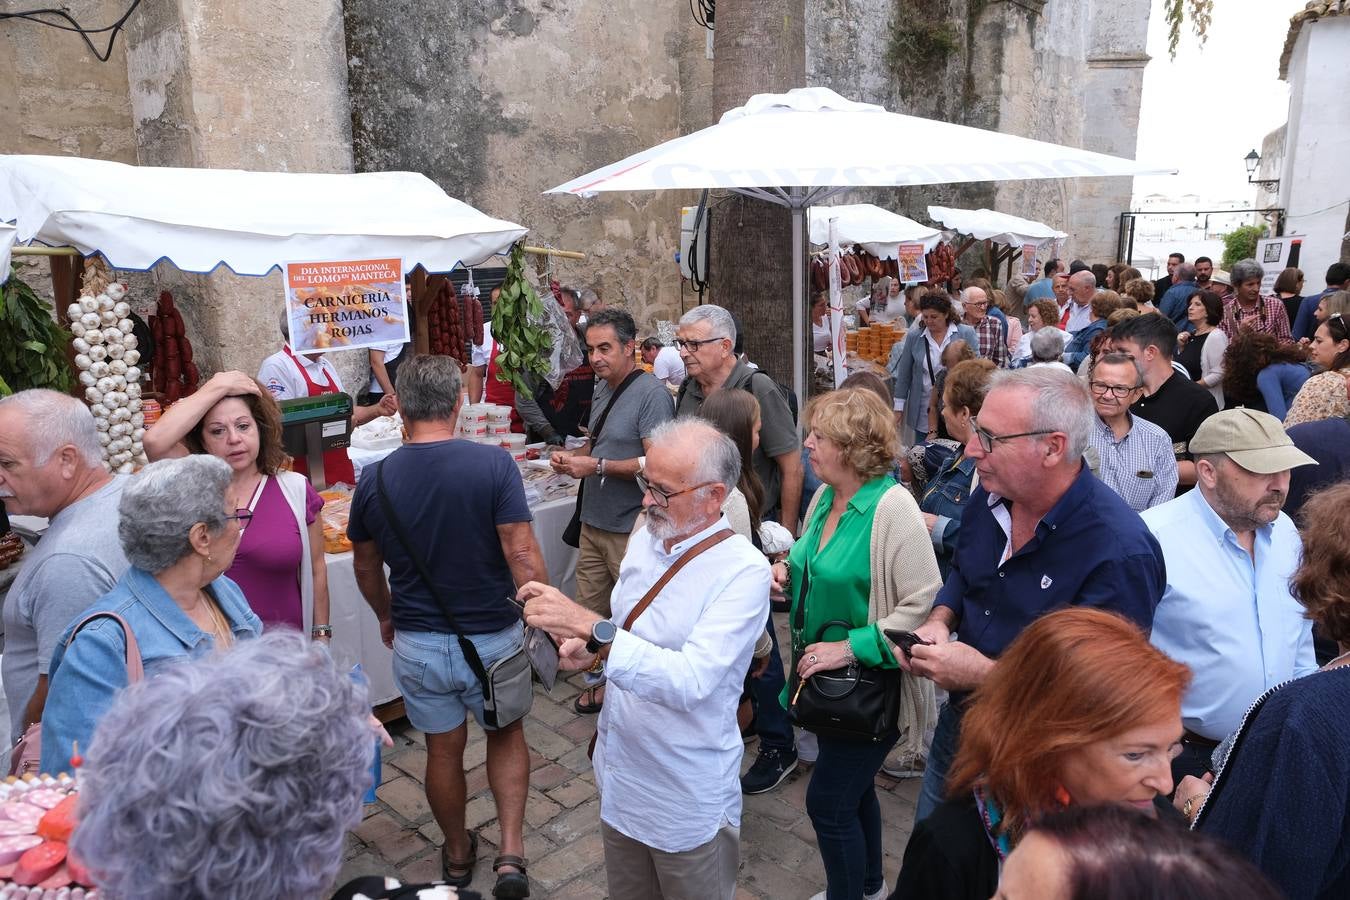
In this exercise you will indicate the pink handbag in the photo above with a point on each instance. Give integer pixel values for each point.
(26, 756)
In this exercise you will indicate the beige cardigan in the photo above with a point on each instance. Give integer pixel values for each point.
(905, 580)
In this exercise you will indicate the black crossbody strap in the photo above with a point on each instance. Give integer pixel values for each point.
(465, 645)
(618, 392)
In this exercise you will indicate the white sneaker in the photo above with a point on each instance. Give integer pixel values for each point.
(807, 748)
(903, 767)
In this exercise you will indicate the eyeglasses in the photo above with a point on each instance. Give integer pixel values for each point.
(692, 346)
(1119, 391)
(243, 516)
(663, 497)
(987, 438)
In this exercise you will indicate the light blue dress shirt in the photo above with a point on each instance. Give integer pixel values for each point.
(1227, 616)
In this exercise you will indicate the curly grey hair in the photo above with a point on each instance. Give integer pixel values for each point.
(718, 458)
(233, 775)
(162, 502)
(1062, 402)
(55, 420)
(1245, 270)
(723, 325)
(1047, 345)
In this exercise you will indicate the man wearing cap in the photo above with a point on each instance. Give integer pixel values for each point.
(1227, 611)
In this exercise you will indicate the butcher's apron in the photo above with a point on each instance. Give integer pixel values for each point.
(501, 392)
(337, 465)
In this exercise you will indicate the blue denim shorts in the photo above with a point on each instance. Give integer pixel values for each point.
(437, 684)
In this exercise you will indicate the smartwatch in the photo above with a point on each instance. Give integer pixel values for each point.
(602, 635)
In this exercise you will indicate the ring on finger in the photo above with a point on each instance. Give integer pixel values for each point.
(811, 658)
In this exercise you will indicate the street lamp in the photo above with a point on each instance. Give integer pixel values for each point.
(1253, 161)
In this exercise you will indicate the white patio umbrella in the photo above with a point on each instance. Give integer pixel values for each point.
(786, 148)
(251, 222)
(878, 230)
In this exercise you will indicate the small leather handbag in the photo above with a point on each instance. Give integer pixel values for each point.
(854, 702)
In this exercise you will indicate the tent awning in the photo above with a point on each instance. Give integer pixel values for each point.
(7, 236)
(786, 140)
(250, 222)
(878, 230)
(990, 225)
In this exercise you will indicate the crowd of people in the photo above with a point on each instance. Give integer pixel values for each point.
(1069, 567)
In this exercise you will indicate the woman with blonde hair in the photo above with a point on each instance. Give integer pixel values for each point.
(1080, 710)
(864, 564)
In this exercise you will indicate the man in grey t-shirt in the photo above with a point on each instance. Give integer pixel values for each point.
(51, 465)
(611, 499)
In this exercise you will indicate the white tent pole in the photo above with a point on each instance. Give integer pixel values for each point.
(798, 297)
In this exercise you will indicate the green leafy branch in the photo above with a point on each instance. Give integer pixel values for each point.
(32, 345)
(1175, 12)
(518, 327)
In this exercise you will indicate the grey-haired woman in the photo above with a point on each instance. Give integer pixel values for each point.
(232, 776)
(179, 538)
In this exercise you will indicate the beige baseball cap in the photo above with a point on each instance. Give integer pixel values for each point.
(1254, 440)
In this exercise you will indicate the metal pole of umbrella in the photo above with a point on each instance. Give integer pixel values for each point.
(799, 348)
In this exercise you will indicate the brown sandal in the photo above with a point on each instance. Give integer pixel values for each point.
(510, 885)
(586, 702)
(463, 866)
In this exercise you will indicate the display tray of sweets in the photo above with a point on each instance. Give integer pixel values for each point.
(37, 819)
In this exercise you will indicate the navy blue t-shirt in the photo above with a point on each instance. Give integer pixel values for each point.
(450, 496)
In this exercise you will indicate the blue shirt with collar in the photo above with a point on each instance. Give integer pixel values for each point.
(1227, 616)
(1090, 549)
(86, 675)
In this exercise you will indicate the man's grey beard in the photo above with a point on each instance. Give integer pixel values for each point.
(659, 524)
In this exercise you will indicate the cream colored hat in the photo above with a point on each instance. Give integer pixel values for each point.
(1254, 440)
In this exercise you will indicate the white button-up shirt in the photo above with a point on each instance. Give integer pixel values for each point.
(668, 749)
(1229, 618)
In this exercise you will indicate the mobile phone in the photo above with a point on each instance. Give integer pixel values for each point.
(905, 640)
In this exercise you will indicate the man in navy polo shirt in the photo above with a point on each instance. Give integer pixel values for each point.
(1040, 533)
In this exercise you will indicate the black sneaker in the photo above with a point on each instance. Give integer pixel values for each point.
(769, 770)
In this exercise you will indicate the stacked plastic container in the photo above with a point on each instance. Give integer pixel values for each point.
(490, 423)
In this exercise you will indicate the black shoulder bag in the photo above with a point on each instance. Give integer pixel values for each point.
(855, 702)
(507, 684)
(571, 535)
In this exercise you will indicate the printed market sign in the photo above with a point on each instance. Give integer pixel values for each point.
(1029, 261)
(913, 262)
(346, 304)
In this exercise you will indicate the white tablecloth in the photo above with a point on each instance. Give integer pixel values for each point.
(356, 633)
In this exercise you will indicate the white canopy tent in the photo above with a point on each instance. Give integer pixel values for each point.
(250, 222)
(785, 148)
(878, 230)
(990, 225)
(7, 236)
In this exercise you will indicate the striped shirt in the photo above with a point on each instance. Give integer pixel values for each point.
(1267, 315)
(1140, 467)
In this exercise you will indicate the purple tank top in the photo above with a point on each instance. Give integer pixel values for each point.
(267, 565)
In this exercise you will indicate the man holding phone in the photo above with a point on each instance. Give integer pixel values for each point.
(1040, 533)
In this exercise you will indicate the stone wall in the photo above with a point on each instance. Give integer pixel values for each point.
(520, 96)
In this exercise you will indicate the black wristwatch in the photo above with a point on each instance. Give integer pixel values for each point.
(602, 635)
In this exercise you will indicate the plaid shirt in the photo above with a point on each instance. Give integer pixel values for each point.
(1267, 315)
(993, 343)
(1141, 467)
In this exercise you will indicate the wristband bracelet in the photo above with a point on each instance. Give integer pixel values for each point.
(321, 631)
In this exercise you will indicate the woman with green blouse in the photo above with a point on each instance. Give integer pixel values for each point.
(865, 558)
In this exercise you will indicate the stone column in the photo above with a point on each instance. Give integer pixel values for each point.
(247, 85)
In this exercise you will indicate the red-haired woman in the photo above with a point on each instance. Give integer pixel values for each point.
(1080, 710)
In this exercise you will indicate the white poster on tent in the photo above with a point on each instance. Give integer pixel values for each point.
(346, 304)
(1028, 260)
(836, 309)
(1275, 255)
(913, 263)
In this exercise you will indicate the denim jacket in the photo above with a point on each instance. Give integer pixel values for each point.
(945, 496)
(86, 676)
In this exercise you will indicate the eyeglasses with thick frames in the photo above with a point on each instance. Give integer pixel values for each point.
(692, 346)
(243, 516)
(663, 497)
(988, 438)
(1119, 391)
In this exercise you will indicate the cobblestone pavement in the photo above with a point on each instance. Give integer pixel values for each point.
(398, 836)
